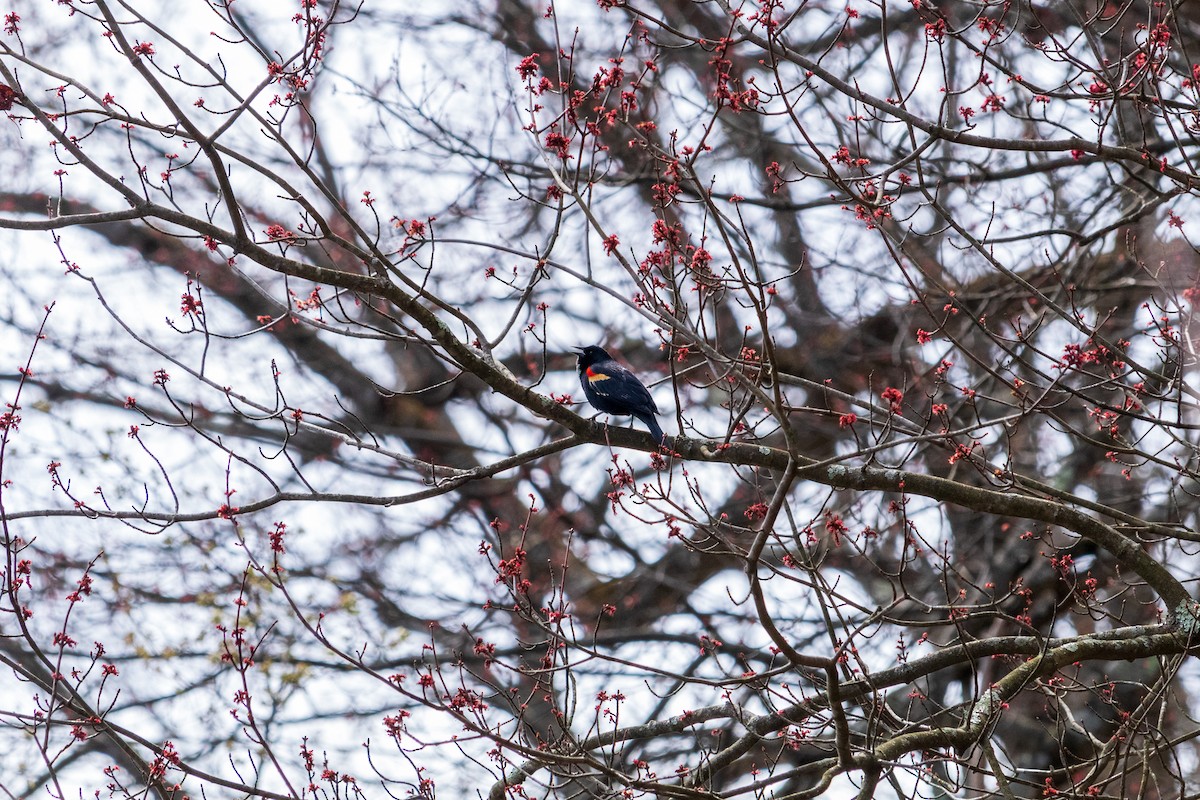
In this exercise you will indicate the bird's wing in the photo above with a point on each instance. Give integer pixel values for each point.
(629, 383)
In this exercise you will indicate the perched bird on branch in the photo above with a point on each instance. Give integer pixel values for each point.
(613, 389)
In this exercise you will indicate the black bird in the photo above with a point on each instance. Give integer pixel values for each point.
(613, 389)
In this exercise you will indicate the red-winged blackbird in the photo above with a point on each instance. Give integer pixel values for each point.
(613, 389)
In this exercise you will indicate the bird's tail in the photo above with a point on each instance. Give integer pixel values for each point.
(655, 430)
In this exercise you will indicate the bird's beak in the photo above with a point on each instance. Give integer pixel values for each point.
(579, 349)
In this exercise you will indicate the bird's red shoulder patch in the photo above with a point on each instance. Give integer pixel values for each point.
(594, 376)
